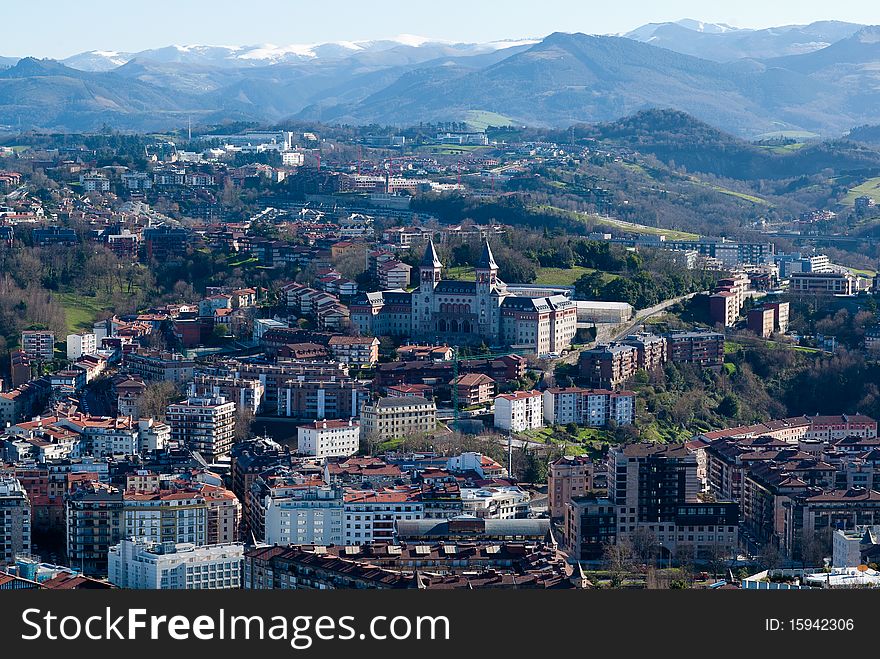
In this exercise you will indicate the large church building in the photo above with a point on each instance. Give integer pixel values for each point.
(467, 313)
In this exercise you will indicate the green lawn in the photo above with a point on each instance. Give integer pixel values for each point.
(80, 311)
(561, 276)
(481, 119)
(629, 227)
(460, 273)
(870, 188)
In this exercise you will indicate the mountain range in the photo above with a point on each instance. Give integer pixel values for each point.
(820, 79)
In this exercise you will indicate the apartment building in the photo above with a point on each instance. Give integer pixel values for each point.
(519, 411)
(355, 350)
(588, 407)
(728, 300)
(93, 520)
(701, 348)
(165, 516)
(370, 515)
(306, 398)
(569, 477)
(204, 424)
(768, 318)
(651, 350)
(822, 283)
(388, 418)
(609, 366)
(83, 343)
(296, 514)
(329, 438)
(473, 388)
(761, 322)
(655, 489)
(38, 344)
(495, 502)
(247, 394)
(590, 525)
(158, 366)
(15, 519)
(142, 564)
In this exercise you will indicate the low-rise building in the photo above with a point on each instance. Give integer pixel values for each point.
(389, 418)
(588, 407)
(329, 438)
(355, 350)
(473, 388)
(519, 411)
(141, 564)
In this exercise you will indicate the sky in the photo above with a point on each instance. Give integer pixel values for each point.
(60, 28)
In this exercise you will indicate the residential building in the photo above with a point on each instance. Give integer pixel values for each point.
(370, 515)
(609, 366)
(355, 350)
(495, 502)
(205, 424)
(83, 343)
(473, 388)
(655, 489)
(158, 366)
(297, 513)
(146, 565)
(307, 399)
(38, 344)
(93, 517)
(389, 418)
(329, 439)
(701, 348)
(247, 394)
(590, 524)
(588, 407)
(15, 519)
(822, 283)
(519, 411)
(760, 321)
(568, 477)
(650, 350)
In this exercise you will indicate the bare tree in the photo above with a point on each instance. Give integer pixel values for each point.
(618, 559)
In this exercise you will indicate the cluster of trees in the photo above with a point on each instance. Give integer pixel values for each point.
(759, 382)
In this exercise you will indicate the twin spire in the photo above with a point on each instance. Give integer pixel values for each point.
(431, 260)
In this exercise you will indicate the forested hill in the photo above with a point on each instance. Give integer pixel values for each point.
(677, 137)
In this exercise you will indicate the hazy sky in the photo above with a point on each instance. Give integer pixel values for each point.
(59, 28)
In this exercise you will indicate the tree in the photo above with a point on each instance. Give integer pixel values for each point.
(644, 545)
(155, 400)
(618, 559)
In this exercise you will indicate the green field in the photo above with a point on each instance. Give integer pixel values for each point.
(740, 195)
(629, 227)
(870, 188)
(788, 135)
(80, 311)
(480, 120)
(561, 276)
(546, 276)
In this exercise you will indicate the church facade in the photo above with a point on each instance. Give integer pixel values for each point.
(467, 313)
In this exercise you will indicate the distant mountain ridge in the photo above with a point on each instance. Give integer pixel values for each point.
(559, 80)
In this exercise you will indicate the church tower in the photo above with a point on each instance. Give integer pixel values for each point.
(429, 269)
(488, 302)
(423, 304)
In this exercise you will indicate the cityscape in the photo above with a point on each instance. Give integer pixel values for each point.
(361, 315)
